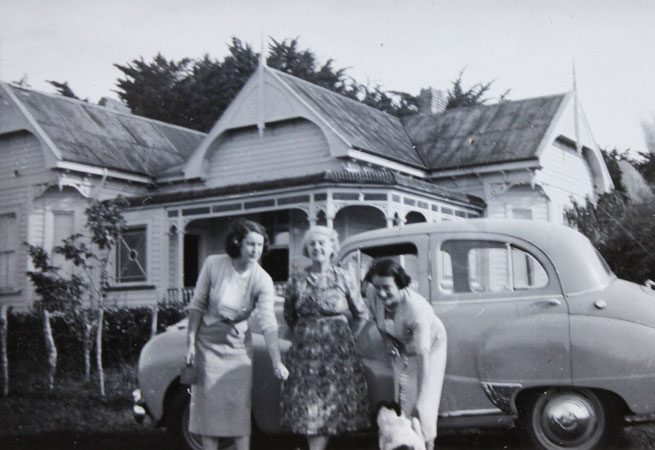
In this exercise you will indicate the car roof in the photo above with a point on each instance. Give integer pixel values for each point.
(571, 252)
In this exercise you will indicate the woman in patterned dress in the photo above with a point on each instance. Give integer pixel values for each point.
(416, 339)
(325, 393)
(219, 342)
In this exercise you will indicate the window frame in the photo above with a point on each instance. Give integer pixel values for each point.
(117, 260)
(13, 283)
(419, 241)
(552, 287)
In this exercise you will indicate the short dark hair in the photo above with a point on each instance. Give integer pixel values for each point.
(389, 268)
(236, 233)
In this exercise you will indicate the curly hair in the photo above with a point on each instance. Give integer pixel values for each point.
(388, 268)
(236, 233)
(328, 232)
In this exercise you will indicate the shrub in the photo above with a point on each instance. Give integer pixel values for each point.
(126, 330)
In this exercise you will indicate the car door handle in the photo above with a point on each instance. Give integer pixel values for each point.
(548, 302)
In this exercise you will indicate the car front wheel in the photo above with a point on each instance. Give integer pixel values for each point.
(572, 419)
(177, 424)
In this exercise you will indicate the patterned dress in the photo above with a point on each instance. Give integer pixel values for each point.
(326, 392)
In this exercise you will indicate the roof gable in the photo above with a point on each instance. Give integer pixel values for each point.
(365, 128)
(89, 134)
(483, 134)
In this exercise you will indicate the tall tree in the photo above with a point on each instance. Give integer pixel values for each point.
(459, 96)
(63, 89)
(194, 93)
(150, 89)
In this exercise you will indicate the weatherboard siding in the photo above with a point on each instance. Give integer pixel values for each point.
(22, 167)
(287, 149)
(22, 158)
(566, 171)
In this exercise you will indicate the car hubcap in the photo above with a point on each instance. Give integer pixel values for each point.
(569, 419)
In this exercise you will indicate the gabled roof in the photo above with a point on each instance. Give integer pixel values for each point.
(89, 134)
(365, 128)
(483, 134)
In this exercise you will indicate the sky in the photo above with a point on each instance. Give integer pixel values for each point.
(527, 46)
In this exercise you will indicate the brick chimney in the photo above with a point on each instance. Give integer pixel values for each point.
(432, 101)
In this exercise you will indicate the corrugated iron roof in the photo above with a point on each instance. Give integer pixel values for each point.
(98, 136)
(366, 128)
(484, 134)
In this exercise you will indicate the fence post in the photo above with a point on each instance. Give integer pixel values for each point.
(4, 324)
(153, 322)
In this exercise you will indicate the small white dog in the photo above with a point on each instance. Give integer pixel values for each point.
(397, 432)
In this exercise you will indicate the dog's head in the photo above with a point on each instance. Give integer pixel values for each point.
(396, 431)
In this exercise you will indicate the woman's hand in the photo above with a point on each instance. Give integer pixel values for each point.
(190, 354)
(280, 371)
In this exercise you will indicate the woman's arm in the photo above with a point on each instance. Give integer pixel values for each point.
(268, 323)
(195, 316)
(356, 304)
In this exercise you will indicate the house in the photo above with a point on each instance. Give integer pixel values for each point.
(286, 153)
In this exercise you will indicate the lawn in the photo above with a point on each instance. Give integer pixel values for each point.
(72, 414)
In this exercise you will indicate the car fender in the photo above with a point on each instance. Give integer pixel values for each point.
(159, 367)
(615, 355)
(265, 387)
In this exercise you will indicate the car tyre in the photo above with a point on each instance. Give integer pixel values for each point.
(177, 424)
(571, 419)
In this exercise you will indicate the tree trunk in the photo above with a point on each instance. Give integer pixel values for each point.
(101, 373)
(3, 350)
(51, 349)
(86, 346)
(153, 322)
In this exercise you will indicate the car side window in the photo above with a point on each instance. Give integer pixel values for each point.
(406, 254)
(479, 266)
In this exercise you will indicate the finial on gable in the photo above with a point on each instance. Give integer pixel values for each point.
(576, 111)
(260, 89)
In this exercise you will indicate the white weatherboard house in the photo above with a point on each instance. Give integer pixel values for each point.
(286, 153)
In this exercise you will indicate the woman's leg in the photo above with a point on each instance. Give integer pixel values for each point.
(209, 443)
(317, 442)
(242, 442)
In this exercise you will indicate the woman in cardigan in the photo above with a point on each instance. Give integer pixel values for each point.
(229, 287)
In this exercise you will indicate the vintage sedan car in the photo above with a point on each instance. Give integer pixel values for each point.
(541, 335)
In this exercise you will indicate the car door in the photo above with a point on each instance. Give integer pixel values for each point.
(505, 316)
(411, 251)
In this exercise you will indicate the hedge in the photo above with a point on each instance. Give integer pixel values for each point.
(126, 330)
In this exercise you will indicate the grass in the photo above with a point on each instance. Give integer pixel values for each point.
(74, 416)
(72, 406)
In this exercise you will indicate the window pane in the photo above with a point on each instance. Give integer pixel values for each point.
(131, 254)
(474, 266)
(528, 272)
(8, 232)
(522, 213)
(63, 228)
(7, 270)
(8, 245)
